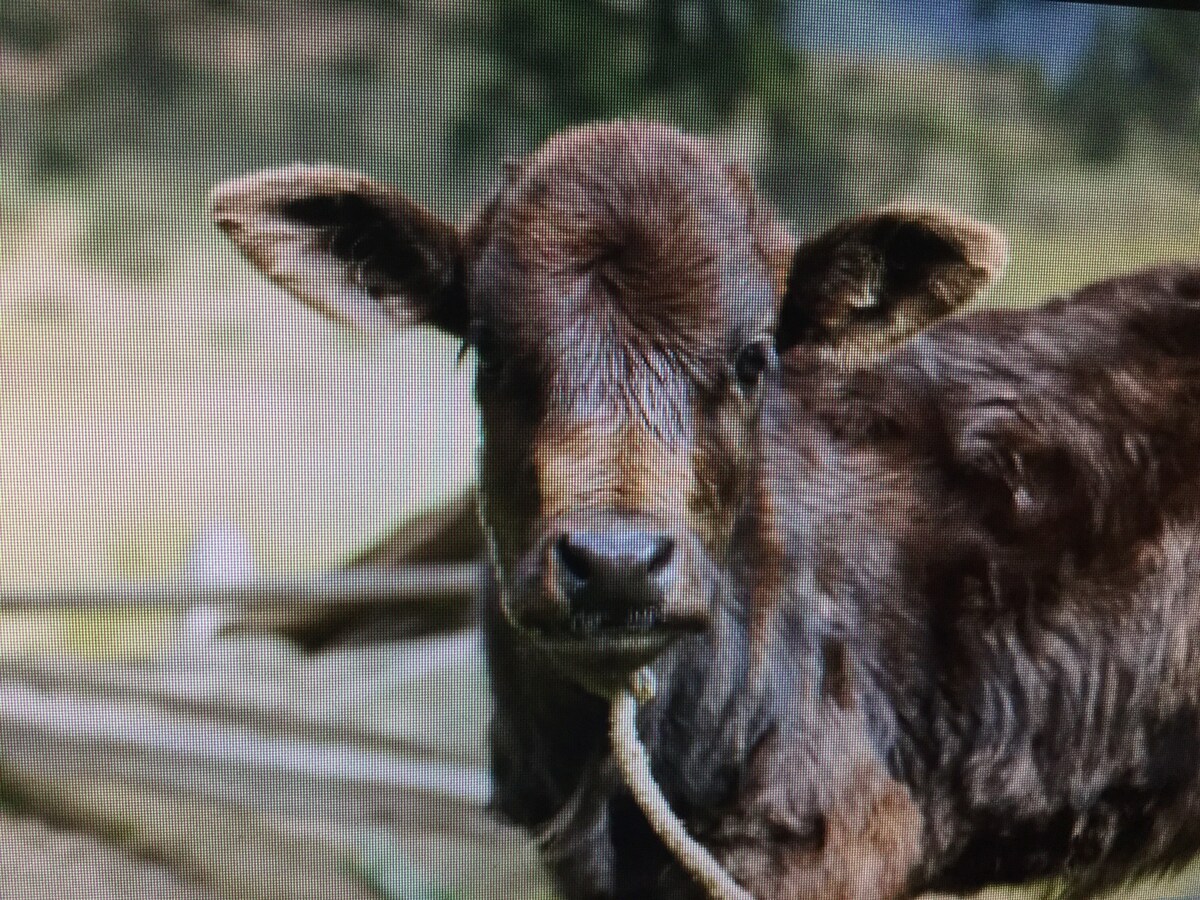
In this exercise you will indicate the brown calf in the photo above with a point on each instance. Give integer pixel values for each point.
(921, 592)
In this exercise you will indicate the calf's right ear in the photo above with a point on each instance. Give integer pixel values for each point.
(356, 250)
(875, 280)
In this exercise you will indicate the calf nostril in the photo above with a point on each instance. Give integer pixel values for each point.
(614, 561)
(576, 560)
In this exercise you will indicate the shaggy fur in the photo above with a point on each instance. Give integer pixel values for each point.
(933, 620)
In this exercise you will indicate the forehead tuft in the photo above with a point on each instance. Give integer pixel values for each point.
(631, 229)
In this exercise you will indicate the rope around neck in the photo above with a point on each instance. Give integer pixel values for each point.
(634, 763)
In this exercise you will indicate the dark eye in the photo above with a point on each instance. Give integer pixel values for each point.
(751, 361)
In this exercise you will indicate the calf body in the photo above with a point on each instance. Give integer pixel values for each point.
(959, 638)
(919, 594)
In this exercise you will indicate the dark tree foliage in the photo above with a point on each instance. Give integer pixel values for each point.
(1166, 66)
(1145, 69)
(26, 25)
(989, 9)
(115, 70)
(1141, 67)
(1096, 99)
(558, 63)
(146, 80)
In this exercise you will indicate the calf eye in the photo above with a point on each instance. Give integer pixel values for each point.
(751, 361)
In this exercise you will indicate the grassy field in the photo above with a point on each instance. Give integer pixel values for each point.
(136, 413)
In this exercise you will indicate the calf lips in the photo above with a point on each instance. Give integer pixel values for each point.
(604, 605)
(603, 663)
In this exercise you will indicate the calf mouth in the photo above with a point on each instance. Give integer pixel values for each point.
(601, 602)
(602, 648)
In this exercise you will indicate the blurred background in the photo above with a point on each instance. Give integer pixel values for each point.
(165, 413)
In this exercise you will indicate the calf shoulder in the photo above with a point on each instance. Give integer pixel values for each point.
(996, 531)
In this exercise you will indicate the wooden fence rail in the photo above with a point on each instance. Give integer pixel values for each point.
(427, 586)
(261, 772)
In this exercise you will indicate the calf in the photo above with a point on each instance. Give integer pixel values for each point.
(920, 591)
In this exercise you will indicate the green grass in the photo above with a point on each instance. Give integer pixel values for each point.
(1043, 264)
(137, 412)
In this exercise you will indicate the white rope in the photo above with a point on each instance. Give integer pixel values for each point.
(635, 767)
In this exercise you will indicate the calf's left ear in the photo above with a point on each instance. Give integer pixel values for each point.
(358, 251)
(869, 283)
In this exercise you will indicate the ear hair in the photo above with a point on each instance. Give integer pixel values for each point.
(870, 282)
(984, 247)
(357, 251)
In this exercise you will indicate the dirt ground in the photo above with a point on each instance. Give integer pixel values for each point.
(41, 862)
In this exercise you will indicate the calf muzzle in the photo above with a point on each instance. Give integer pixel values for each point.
(607, 594)
(616, 575)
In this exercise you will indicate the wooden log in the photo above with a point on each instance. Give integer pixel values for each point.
(419, 579)
(430, 590)
(249, 803)
(43, 861)
(235, 852)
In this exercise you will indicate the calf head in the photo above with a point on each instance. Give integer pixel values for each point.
(628, 298)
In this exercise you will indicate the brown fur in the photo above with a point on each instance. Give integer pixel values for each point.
(932, 621)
